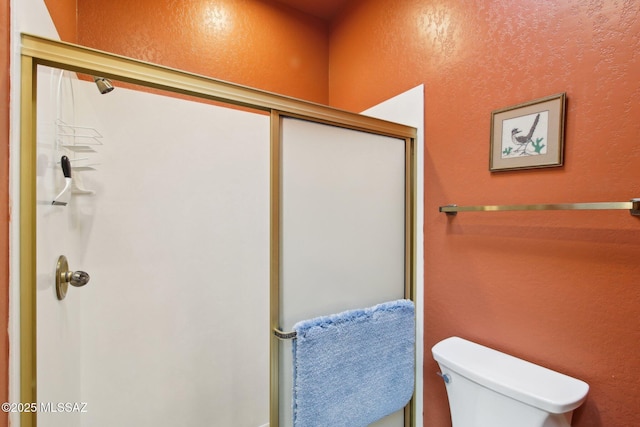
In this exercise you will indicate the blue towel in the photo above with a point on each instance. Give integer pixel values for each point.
(354, 368)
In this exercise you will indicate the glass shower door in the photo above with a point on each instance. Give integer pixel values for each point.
(343, 234)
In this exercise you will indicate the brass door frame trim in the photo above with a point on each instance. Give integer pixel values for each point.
(410, 249)
(37, 50)
(28, 361)
(91, 61)
(274, 269)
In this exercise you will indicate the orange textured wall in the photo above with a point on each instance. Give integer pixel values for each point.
(64, 16)
(5, 35)
(250, 42)
(557, 288)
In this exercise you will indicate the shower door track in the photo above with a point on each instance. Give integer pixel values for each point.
(37, 50)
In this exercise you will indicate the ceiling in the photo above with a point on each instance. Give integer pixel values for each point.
(323, 9)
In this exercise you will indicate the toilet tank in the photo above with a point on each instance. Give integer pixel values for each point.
(488, 388)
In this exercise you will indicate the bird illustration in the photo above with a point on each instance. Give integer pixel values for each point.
(523, 141)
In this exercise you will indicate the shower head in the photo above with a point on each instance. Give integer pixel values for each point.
(104, 85)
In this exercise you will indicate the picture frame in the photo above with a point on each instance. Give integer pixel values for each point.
(528, 135)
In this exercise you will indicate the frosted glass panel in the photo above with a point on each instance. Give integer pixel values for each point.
(343, 228)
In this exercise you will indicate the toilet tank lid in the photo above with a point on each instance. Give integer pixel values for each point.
(532, 384)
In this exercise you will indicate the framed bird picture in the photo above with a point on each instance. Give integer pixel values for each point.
(528, 135)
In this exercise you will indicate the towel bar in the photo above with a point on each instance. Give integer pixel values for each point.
(284, 335)
(633, 206)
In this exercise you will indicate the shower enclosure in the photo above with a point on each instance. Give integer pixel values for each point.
(206, 214)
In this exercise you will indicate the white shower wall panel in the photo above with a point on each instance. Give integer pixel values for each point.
(174, 323)
(61, 230)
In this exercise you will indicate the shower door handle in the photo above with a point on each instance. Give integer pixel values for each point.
(64, 278)
(77, 278)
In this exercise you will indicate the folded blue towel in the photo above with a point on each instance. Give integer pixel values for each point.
(354, 368)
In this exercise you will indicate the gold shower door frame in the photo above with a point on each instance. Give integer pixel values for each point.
(41, 51)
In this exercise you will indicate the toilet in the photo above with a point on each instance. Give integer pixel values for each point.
(487, 388)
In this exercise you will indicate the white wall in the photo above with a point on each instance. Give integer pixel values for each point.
(29, 16)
